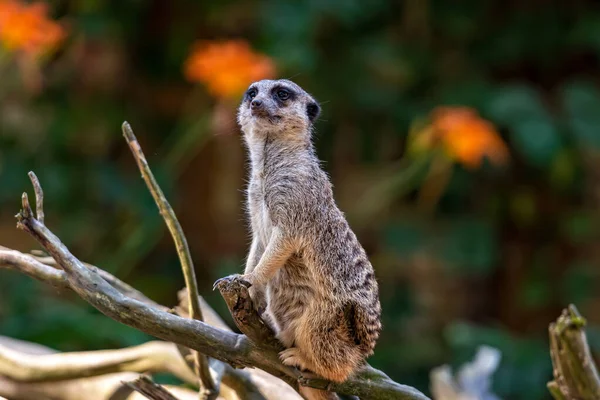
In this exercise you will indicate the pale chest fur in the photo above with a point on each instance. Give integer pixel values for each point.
(257, 207)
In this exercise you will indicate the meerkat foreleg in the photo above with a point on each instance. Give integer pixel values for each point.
(256, 293)
(278, 250)
(254, 255)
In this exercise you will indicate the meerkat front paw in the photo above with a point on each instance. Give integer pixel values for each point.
(229, 280)
(292, 358)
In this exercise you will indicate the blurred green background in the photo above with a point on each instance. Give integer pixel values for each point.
(491, 260)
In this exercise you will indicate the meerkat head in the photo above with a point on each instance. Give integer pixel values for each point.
(280, 107)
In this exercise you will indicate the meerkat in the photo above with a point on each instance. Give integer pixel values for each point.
(306, 267)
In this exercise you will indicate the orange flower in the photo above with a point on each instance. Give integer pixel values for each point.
(467, 137)
(227, 67)
(25, 27)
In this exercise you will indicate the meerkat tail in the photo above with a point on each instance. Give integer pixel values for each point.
(366, 327)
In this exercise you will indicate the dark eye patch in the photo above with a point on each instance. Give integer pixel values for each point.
(282, 94)
(251, 93)
(313, 110)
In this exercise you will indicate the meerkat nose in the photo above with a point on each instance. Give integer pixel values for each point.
(256, 103)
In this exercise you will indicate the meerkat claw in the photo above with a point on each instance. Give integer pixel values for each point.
(228, 280)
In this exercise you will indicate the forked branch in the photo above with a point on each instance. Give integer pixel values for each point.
(234, 349)
(208, 388)
(249, 384)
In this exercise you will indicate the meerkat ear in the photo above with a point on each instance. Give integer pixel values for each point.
(312, 110)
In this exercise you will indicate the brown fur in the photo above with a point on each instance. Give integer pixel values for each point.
(306, 266)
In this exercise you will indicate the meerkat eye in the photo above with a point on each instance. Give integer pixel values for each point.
(283, 94)
(252, 93)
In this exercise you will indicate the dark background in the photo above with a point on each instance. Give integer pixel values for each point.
(494, 259)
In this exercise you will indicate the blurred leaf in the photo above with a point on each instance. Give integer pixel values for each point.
(536, 293)
(512, 105)
(563, 169)
(593, 335)
(581, 101)
(405, 237)
(586, 33)
(466, 246)
(579, 227)
(538, 141)
(293, 27)
(469, 246)
(347, 11)
(472, 93)
(532, 131)
(578, 283)
(523, 207)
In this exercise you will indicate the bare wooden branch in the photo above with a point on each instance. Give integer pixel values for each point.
(232, 348)
(575, 373)
(155, 356)
(102, 387)
(210, 316)
(105, 387)
(254, 383)
(208, 388)
(111, 279)
(28, 265)
(96, 388)
(251, 384)
(150, 390)
(39, 196)
(240, 305)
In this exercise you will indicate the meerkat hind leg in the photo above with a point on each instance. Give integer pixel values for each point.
(293, 357)
(330, 352)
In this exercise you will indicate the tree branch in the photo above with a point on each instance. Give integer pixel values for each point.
(208, 388)
(39, 196)
(151, 390)
(232, 348)
(155, 356)
(251, 384)
(240, 305)
(575, 373)
(104, 387)
(15, 260)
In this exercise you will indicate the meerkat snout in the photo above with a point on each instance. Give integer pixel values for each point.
(256, 104)
(259, 109)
